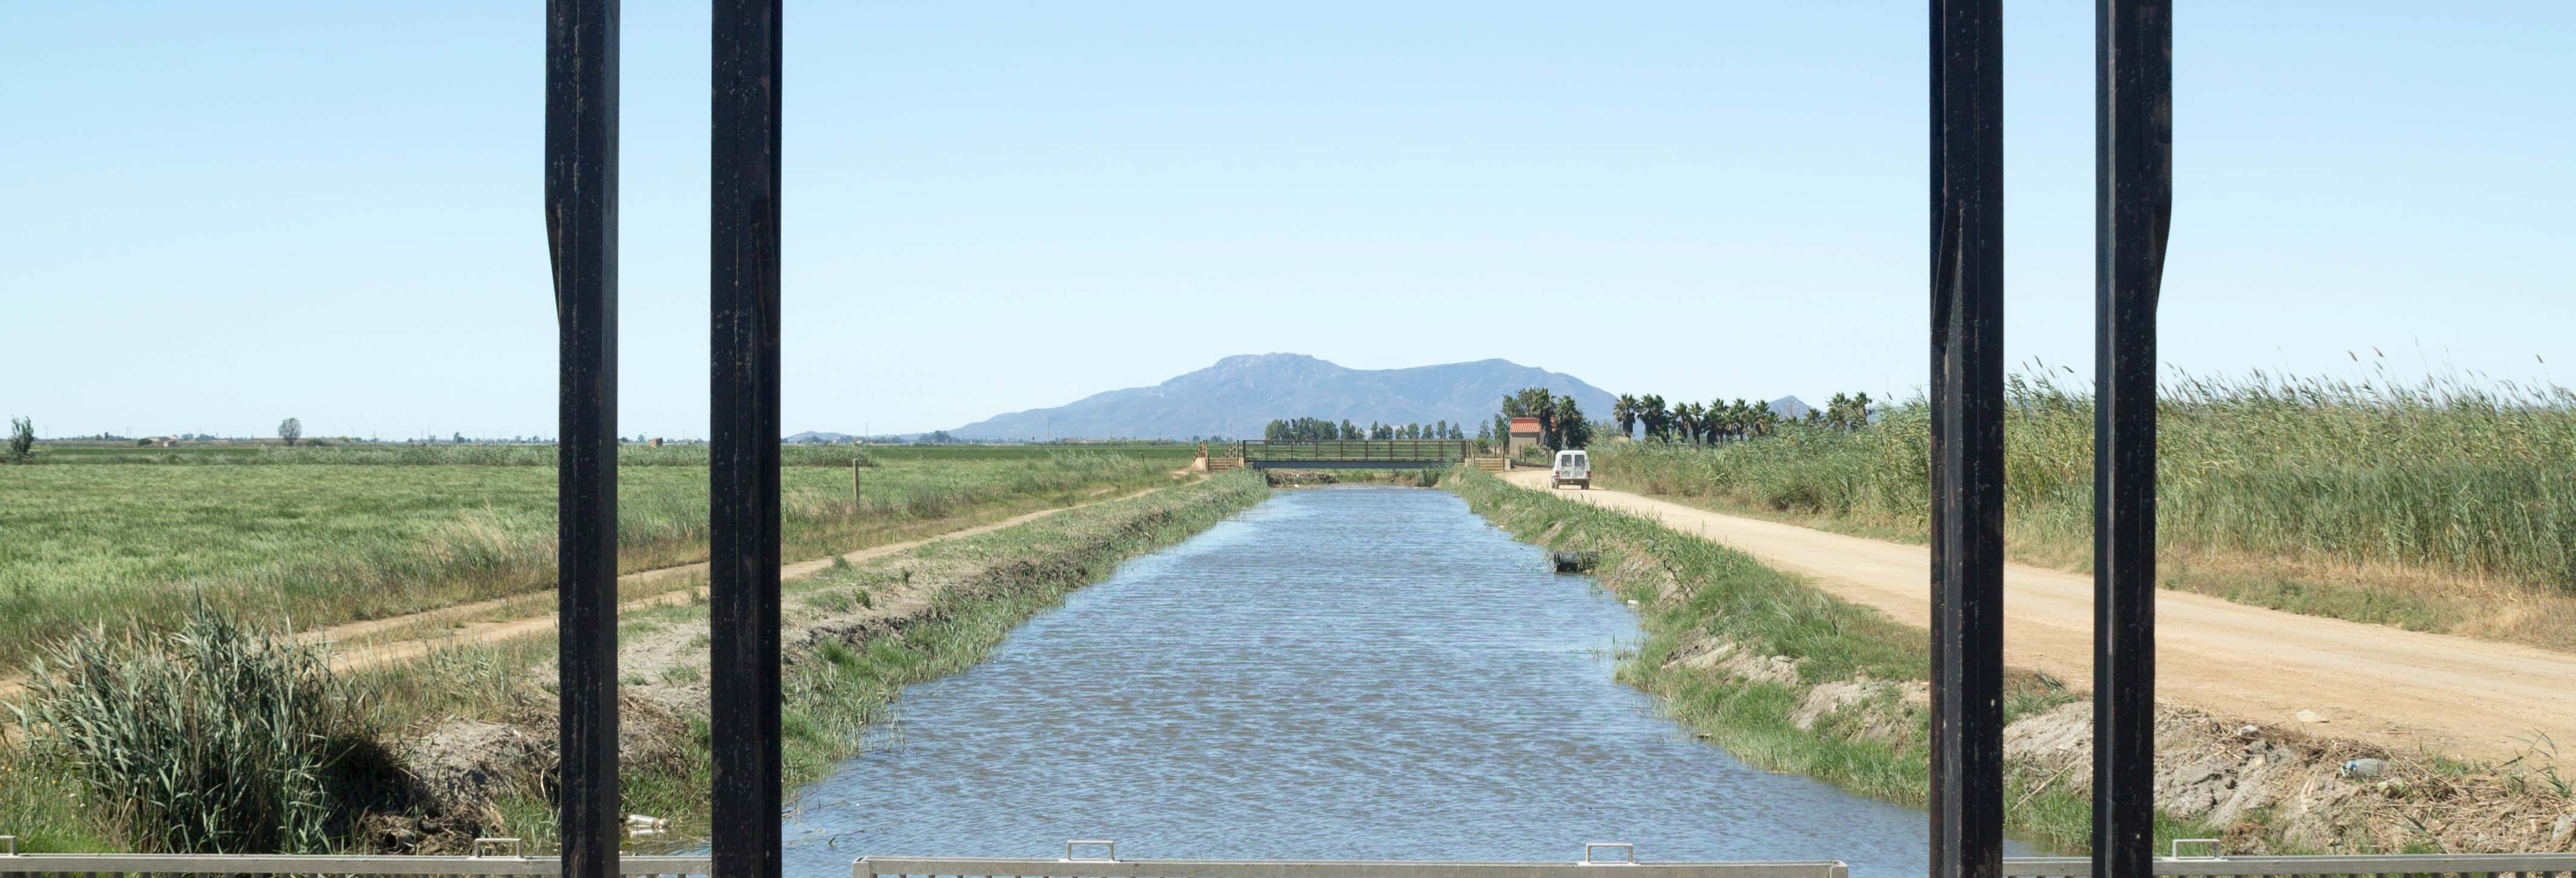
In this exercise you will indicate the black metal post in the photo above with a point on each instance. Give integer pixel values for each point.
(581, 234)
(743, 463)
(1967, 438)
(2133, 197)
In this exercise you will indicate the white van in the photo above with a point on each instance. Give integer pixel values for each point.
(1572, 468)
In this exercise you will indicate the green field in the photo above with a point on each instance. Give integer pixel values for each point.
(323, 541)
(504, 454)
(2439, 506)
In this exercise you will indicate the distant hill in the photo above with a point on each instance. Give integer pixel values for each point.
(811, 436)
(1239, 394)
(1790, 408)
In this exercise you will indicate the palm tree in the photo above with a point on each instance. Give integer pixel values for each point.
(1624, 410)
(1571, 428)
(1650, 409)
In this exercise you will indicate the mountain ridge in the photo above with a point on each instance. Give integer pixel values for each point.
(1236, 395)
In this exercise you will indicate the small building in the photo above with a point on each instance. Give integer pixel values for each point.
(1525, 434)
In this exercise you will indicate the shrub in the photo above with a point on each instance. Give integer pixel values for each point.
(210, 739)
(22, 440)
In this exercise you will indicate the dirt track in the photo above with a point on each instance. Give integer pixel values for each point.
(378, 641)
(2407, 690)
(483, 632)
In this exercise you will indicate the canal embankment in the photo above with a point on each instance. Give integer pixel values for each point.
(855, 635)
(1795, 679)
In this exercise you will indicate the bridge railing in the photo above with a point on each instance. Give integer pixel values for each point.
(2487, 865)
(15, 865)
(1403, 450)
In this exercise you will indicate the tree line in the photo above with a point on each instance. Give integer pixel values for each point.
(1320, 429)
(1723, 421)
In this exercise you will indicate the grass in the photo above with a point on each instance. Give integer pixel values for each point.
(530, 454)
(328, 543)
(1692, 593)
(416, 454)
(2438, 506)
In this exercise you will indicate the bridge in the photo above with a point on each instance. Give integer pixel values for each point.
(1350, 454)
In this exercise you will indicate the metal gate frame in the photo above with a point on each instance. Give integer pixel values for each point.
(2133, 142)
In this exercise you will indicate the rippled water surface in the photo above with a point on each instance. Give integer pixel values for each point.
(1347, 673)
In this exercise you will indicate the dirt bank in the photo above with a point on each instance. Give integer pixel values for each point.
(856, 632)
(1792, 679)
(2407, 691)
(376, 642)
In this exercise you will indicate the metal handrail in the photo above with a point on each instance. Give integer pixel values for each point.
(12, 863)
(2369, 864)
(2533, 864)
(328, 864)
(1590, 846)
(997, 867)
(1404, 450)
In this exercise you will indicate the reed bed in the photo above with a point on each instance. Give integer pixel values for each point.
(2287, 491)
(209, 738)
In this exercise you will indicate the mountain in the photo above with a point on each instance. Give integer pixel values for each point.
(1239, 394)
(810, 436)
(1790, 408)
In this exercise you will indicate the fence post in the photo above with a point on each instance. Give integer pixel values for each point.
(1967, 438)
(581, 233)
(745, 835)
(2133, 200)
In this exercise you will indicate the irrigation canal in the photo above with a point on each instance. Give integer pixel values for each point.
(1343, 673)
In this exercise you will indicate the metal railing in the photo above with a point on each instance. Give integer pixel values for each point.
(2491, 865)
(15, 865)
(1403, 450)
(1105, 864)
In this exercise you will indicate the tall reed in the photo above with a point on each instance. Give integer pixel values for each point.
(210, 738)
(2444, 474)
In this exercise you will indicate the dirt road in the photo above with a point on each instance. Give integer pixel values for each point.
(373, 654)
(399, 638)
(2407, 690)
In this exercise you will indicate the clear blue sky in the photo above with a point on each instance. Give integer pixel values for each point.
(219, 215)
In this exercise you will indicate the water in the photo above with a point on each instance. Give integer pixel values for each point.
(1348, 673)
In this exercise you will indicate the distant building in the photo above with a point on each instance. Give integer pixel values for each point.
(1525, 434)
